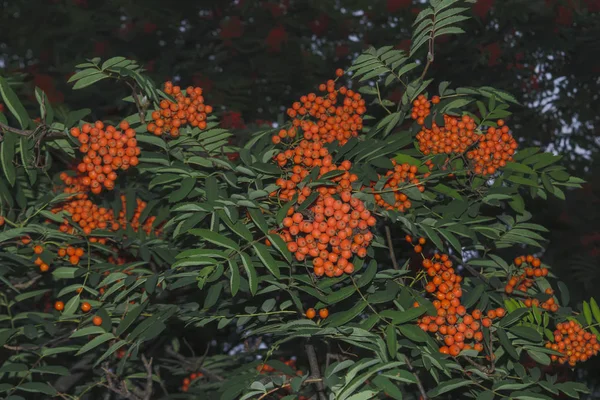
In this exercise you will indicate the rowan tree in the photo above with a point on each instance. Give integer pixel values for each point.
(338, 256)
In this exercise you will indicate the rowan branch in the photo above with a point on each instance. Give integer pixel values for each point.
(313, 362)
(388, 235)
(419, 383)
(193, 366)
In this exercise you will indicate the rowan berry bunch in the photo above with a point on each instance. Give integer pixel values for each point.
(457, 328)
(574, 342)
(106, 149)
(334, 118)
(402, 173)
(336, 225)
(188, 108)
(267, 369)
(532, 268)
(312, 313)
(487, 152)
(187, 381)
(332, 231)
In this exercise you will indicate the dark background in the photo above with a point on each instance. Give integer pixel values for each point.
(253, 58)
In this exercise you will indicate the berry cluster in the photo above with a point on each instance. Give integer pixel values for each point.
(336, 225)
(422, 108)
(188, 108)
(187, 381)
(105, 150)
(453, 323)
(267, 369)
(311, 313)
(402, 173)
(90, 216)
(532, 268)
(74, 254)
(574, 342)
(335, 120)
(487, 152)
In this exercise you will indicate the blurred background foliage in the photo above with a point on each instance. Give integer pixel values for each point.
(253, 58)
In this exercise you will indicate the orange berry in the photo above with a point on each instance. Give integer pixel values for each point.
(97, 320)
(59, 305)
(323, 313)
(85, 307)
(311, 313)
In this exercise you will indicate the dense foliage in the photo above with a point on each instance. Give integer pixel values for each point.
(353, 252)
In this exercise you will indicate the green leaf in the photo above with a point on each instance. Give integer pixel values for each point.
(587, 313)
(250, 272)
(539, 357)
(259, 220)
(116, 346)
(215, 238)
(51, 369)
(97, 341)
(88, 330)
(130, 318)
(505, 342)
(514, 316)
(595, 309)
(13, 104)
(342, 318)
(388, 387)
(278, 243)
(7, 154)
(71, 306)
(413, 333)
(448, 386)
(89, 80)
(391, 340)
(268, 261)
(37, 387)
(234, 279)
(441, 188)
(526, 333)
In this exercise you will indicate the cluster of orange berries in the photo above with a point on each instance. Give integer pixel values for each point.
(532, 268)
(422, 108)
(187, 381)
(85, 307)
(336, 225)
(453, 323)
(311, 313)
(266, 369)
(90, 216)
(574, 342)
(188, 108)
(400, 174)
(487, 152)
(333, 231)
(74, 254)
(106, 150)
(306, 156)
(335, 120)
(418, 247)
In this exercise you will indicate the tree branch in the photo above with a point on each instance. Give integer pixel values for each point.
(313, 362)
(419, 383)
(388, 235)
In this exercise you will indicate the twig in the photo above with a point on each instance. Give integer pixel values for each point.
(25, 285)
(192, 366)
(306, 382)
(313, 362)
(148, 367)
(15, 130)
(430, 53)
(388, 235)
(138, 103)
(419, 383)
